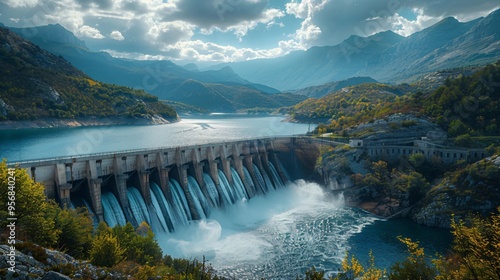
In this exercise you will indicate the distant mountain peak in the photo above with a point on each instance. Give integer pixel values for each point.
(495, 13)
(49, 33)
(387, 34)
(448, 20)
(227, 70)
(191, 67)
(442, 25)
(49, 80)
(387, 38)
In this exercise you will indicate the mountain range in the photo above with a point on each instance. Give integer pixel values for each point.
(36, 84)
(383, 57)
(324, 89)
(219, 90)
(386, 56)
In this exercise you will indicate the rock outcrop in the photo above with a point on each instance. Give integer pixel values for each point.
(472, 190)
(57, 266)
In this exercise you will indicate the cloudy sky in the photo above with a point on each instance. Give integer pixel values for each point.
(231, 30)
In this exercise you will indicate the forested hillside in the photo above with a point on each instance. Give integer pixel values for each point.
(223, 98)
(36, 84)
(356, 102)
(464, 105)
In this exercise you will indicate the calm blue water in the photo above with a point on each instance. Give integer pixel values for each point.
(26, 144)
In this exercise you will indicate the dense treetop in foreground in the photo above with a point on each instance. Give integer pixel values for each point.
(36, 84)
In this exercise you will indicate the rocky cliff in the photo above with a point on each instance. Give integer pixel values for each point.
(474, 189)
(34, 262)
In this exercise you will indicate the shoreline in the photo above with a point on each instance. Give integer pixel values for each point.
(83, 122)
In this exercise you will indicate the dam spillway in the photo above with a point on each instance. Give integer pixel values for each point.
(165, 187)
(275, 234)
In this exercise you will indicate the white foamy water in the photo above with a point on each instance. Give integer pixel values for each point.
(277, 236)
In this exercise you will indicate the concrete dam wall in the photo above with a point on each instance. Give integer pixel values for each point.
(177, 183)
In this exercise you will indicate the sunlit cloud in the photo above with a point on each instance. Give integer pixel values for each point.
(89, 32)
(116, 35)
(144, 29)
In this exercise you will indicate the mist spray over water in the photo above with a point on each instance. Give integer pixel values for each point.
(280, 234)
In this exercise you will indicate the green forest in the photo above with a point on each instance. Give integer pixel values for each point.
(466, 105)
(36, 84)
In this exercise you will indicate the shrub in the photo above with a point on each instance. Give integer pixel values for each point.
(408, 123)
(33, 223)
(463, 140)
(415, 266)
(127, 268)
(106, 251)
(31, 249)
(76, 228)
(65, 269)
(139, 245)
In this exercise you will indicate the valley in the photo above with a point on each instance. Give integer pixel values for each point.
(249, 140)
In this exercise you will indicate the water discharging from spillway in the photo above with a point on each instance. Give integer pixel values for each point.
(252, 226)
(113, 213)
(278, 235)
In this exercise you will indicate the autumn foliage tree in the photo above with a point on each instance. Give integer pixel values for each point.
(476, 250)
(40, 220)
(31, 207)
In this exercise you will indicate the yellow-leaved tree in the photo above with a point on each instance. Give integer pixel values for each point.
(30, 207)
(476, 250)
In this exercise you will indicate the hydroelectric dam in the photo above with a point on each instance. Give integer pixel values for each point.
(168, 187)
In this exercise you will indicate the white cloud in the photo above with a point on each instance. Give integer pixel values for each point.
(90, 32)
(205, 51)
(306, 10)
(21, 3)
(167, 33)
(307, 32)
(154, 28)
(116, 35)
(329, 22)
(268, 17)
(405, 27)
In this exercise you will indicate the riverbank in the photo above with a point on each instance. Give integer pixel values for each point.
(61, 123)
